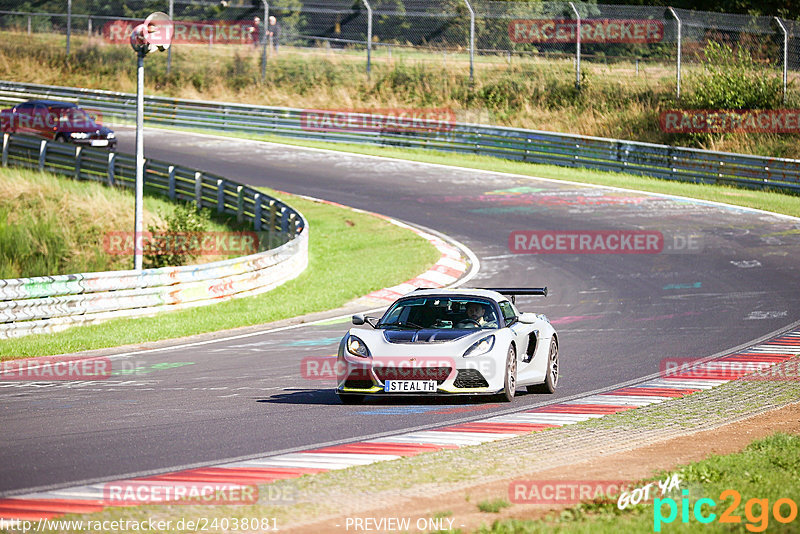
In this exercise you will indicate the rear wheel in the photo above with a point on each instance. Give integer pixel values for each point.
(551, 379)
(350, 399)
(510, 382)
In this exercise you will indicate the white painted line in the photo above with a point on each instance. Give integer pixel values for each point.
(544, 418)
(619, 400)
(680, 383)
(436, 437)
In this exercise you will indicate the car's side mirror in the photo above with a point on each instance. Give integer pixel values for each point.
(527, 318)
(359, 319)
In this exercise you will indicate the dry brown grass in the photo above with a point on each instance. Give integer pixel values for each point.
(527, 93)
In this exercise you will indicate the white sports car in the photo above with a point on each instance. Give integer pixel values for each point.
(449, 341)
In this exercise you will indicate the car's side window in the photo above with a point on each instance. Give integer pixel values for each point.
(509, 314)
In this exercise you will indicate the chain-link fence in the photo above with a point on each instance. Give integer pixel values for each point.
(627, 41)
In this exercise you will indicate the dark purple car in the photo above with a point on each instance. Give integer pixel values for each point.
(60, 121)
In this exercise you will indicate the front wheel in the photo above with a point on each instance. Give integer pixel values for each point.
(510, 382)
(551, 379)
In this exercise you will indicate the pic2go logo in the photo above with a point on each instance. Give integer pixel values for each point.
(758, 521)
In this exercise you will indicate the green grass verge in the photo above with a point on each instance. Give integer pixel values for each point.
(350, 255)
(774, 201)
(766, 470)
(53, 225)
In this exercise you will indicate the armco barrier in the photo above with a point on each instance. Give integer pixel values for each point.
(662, 161)
(53, 303)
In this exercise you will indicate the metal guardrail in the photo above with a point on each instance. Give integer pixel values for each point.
(632, 157)
(53, 303)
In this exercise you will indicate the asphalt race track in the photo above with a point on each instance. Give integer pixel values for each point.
(725, 277)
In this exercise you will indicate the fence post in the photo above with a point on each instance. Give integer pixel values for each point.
(471, 41)
(265, 23)
(198, 189)
(42, 154)
(29, 24)
(89, 27)
(112, 162)
(69, 23)
(5, 149)
(678, 64)
(577, 46)
(220, 195)
(169, 50)
(785, 55)
(369, 36)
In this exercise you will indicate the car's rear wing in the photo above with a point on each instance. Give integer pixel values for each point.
(518, 291)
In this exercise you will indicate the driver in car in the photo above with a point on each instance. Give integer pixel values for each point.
(477, 317)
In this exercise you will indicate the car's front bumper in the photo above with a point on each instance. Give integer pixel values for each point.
(359, 377)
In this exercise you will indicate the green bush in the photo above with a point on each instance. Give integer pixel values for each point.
(164, 250)
(733, 80)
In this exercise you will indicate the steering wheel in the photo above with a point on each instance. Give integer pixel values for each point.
(468, 320)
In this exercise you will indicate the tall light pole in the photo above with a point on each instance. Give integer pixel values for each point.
(154, 34)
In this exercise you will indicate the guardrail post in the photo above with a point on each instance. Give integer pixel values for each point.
(198, 189)
(678, 63)
(5, 149)
(78, 151)
(577, 46)
(220, 195)
(284, 223)
(785, 55)
(273, 214)
(172, 182)
(42, 154)
(239, 203)
(471, 41)
(112, 162)
(257, 212)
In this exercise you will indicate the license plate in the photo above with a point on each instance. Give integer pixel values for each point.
(410, 386)
(99, 142)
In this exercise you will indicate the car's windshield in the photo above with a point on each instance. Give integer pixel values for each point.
(74, 117)
(440, 313)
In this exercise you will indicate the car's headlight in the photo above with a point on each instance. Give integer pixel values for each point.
(356, 347)
(111, 135)
(482, 346)
(79, 135)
